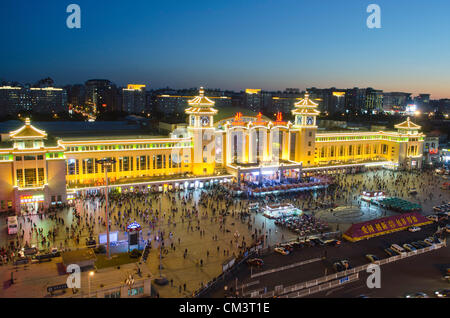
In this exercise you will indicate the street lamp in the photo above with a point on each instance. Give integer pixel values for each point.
(107, 162)
(91, 273)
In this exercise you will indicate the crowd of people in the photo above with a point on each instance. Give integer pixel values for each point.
(167, 219)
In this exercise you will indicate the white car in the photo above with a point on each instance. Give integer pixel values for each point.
(414, 229)
(433, 217)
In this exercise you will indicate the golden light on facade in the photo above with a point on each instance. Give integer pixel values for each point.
(135, 86)
(156, 157)
(252, 90)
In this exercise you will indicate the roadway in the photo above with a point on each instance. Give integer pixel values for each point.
(353, 252)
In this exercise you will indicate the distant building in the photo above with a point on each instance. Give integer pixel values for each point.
(253, 99)
(373, 101)
(13, 100)
(283, 101)
(422, 102)
(101, 96)
(133, 99)
(46, 100)
(76, 95)
(395, 101)
(170, 101)
(363, 100)
(330, 100)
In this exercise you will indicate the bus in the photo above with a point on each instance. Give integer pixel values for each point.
(12, 225)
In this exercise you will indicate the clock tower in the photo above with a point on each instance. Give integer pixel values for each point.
(303, 132)
(201, 113)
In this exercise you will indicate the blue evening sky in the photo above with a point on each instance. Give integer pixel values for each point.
(230, 44)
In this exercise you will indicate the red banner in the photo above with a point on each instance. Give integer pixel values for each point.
(383, 226)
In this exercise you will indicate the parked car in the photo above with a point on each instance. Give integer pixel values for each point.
(397, 248)
(442, 293)
(433, 217)
(287, 247)
(447, 228)
(91, 242)
(390, 252)
(372, 258)
(255, 262)
(281, 250)
(417, 245)
(434, 240)
(332, 242)
(338, 267)
(428, 241)
(29, 251)
(422, 243)
(318, 241)
(414, 229)
(409, 247)
(417, 295)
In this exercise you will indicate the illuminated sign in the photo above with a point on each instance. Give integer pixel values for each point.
(24, 199)
(132, 227)
(433, 151)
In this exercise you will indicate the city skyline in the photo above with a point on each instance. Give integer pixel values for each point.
(231, 45)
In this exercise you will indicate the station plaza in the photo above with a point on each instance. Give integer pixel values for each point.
(217, 220)
(190, 192)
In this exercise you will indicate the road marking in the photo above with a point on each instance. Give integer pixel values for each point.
(286, 267)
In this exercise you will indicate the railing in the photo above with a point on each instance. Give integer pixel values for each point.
(322, 287)
(221, 277)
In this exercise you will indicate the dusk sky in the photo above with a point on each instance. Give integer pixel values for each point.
(231, 44)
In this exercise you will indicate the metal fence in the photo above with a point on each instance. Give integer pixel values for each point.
(322, 287)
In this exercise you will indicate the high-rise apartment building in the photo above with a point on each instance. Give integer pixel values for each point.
(101, 96)
(133, 99)
(253, 99)
(395, 101)
(46, 100)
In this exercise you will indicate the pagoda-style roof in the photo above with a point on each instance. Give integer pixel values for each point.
(408, 125)
(201, 104)
(27, 132)
(305, 106)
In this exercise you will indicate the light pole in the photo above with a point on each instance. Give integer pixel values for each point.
(107, 162)
(91, 273)
(160, 232)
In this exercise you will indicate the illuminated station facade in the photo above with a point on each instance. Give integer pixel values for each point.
(204, 152)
